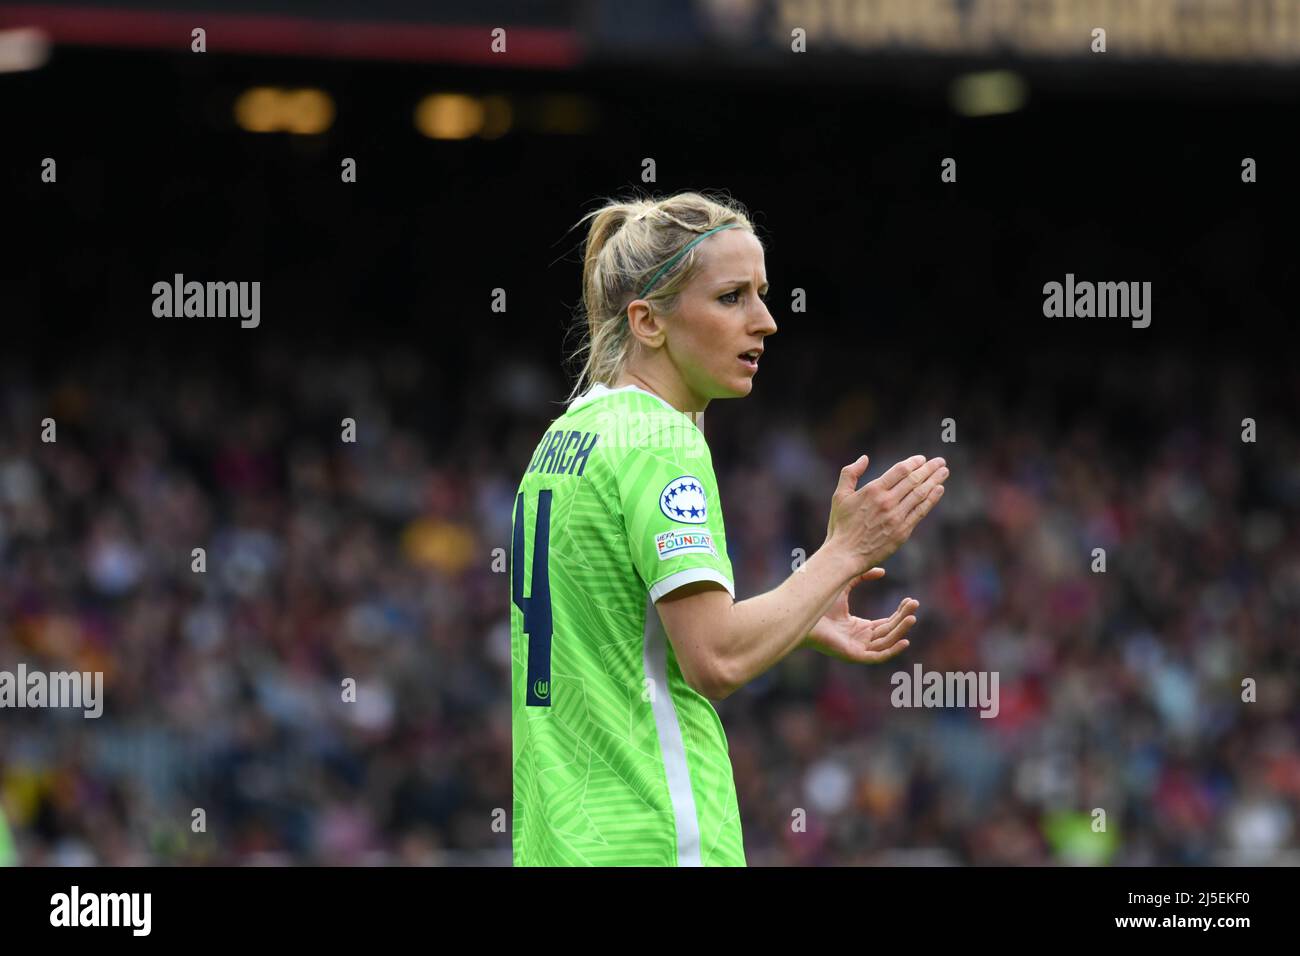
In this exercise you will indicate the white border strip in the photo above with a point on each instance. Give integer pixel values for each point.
(670, 740)
(689, 576)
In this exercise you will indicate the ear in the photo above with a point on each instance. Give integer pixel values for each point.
(644, 324)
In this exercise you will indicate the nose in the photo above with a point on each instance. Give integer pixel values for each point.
(765, 325)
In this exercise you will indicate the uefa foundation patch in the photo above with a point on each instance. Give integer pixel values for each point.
(669, 544)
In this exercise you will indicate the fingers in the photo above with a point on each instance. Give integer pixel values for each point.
(893, 627)
(891, 643)
(879, 657)
(921, 493)
(875, 574)
(850, 475)
(896, 474)
(920, 511)
(916, 479)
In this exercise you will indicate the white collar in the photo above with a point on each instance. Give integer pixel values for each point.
(600, 390)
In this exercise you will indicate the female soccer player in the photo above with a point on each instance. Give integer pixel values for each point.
(624, 622)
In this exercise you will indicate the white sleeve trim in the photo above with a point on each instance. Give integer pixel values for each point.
(689, 576)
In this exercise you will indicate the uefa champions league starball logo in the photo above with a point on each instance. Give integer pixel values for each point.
(683, 500)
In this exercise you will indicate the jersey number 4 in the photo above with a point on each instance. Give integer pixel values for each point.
(536, 608)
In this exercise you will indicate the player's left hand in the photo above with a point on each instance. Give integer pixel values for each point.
(858, 640)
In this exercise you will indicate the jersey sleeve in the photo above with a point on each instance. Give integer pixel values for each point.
(672, 512)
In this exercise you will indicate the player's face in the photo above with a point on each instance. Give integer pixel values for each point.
(720, 316)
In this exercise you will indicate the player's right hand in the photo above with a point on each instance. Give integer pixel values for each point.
(872, 522)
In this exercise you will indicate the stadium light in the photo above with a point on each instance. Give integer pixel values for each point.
(450, 116)
(23, 49)
(269, 109)
(988, 94)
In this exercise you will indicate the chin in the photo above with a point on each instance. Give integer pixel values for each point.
(723, 386)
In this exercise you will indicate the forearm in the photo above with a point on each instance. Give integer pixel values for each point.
(762, 630)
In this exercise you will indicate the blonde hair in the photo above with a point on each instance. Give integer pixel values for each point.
(627, 243)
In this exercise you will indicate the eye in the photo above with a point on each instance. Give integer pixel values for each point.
(730, 297)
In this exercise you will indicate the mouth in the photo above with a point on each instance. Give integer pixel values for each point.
(750, 359)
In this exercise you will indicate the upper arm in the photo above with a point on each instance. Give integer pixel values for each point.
(676, 539)
(694, 616)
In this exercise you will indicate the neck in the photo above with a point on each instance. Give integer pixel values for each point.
(679, 397)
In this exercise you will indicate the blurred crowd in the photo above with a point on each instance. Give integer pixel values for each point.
(229, 735)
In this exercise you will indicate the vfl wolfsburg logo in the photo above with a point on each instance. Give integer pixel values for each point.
(542, 688)
(683, 500)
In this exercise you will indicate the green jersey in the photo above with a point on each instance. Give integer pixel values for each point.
(617, 761)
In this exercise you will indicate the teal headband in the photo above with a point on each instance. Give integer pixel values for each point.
(685, 249)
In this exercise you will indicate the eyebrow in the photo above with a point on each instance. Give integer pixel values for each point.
(740, 282)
